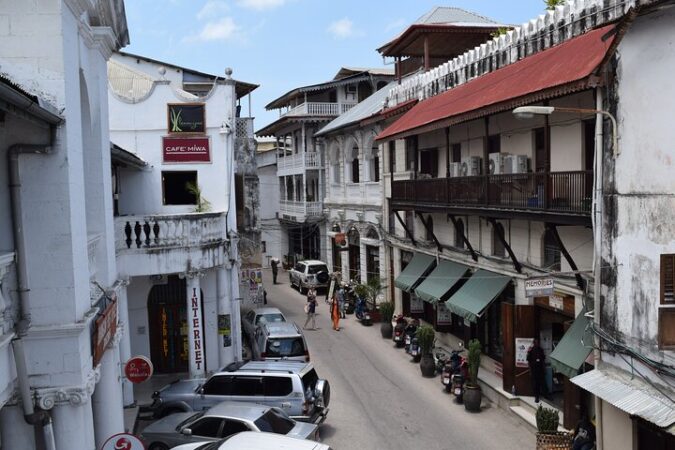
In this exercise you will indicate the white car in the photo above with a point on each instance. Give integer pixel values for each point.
(249, 440)
(309, 273)
(266, 314)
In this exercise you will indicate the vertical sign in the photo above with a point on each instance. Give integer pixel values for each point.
(443, 314)
(416, 304)
(225, 329)
(196, 336)
(522, 346)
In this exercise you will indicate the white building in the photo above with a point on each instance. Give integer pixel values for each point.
(270, 228)
(59, 284)
(500, 201)
(176, 216)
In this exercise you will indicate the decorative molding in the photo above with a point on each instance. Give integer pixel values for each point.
(38, 332)
(47, 398)
(105, 40)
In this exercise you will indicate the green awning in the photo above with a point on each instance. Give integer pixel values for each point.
(440, 281)
(471, 300)
(574, 347)
(416, 269)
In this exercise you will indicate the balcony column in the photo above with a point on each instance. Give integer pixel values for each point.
(195, 326)
(303, 144)
(224, 295)
(125, 343)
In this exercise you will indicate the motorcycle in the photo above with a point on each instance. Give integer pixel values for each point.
(415, 350)
(361, 312)
(451, 366)
(399, 335)
(441, 359)
(350, 297)
(410, 331)
(458, 380)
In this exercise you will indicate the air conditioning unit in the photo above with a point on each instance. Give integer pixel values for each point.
(455, 169)
(515, 164)
(471, 166)
(497, 163)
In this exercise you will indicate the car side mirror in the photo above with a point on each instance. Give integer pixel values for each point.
(186, 432)
(200, 391)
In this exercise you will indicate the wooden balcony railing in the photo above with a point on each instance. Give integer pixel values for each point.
(560, 192)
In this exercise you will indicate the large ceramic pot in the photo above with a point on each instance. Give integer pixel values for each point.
(428, 366)
(387, 330)
(472, 398)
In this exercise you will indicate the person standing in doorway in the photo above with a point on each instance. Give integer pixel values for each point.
(275, 269)
(310, 309)
(335, 312)
(536, 361)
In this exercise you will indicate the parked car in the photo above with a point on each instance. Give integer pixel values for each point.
(292, 386)
(309, 273)
(266, 314)
(257, 441)
(281, 341)
(223, 420)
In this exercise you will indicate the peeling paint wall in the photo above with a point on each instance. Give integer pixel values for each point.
(249, 228)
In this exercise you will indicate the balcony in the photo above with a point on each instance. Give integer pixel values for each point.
(563, 197)
(157, 244)
(298, 163)
(319, 109)
(300, 211)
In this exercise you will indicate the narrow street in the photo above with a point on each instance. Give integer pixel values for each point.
(379, 399)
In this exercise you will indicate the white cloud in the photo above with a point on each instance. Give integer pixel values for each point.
(260, 5)
(220, 30)
(343, 28)
(211, 9)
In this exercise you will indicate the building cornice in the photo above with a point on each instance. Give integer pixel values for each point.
(38, 332)
(75, 395)
(105, 40)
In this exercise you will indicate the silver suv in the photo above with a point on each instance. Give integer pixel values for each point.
(309, 273)
(292, 386)
(281, 341)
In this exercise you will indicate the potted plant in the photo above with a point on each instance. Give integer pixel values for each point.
(387, 313)
(425, 338)
(472, 393)
(548, 436)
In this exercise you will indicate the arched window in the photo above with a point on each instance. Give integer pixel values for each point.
(372, 233)
(374, 164)
(335, 165)
(354, 163)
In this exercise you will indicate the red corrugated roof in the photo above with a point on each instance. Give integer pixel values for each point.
(566, 63)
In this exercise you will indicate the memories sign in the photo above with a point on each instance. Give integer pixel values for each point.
(186, 150)
(186, 118)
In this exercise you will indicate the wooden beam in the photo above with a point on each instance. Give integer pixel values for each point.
(429, 230)
(405, 227)
(461, 233)
(554, 232)
(500, 235)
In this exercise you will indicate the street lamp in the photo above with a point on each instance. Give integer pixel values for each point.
(527, 112)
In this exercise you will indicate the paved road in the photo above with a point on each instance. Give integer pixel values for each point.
(379, 398)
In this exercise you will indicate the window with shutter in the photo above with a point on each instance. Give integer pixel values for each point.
(667, 302)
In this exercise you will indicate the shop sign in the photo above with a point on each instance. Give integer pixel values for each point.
(186, 118)
(195, 306)
(522, 346)
(138, 369)
(443, 314)
(556, 302)
(123, 441)
(538, 287)
(185, 150)
(416, 304)
(105, 328)
(225, 329)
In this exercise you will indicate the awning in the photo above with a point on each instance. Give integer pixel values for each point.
(440, 281)
(556, 71)
(573, 348)
(630, 394)
(471, 300)
(416, 269)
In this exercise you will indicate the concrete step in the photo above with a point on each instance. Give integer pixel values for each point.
(529, 415)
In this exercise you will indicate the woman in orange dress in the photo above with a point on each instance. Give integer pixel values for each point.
(335, 313)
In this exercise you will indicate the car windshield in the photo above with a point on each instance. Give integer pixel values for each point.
(317, 269)
(189, 419)
(275, 421)
(269, 318)
(281, 347)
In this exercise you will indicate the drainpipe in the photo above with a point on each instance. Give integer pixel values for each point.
(597, 253)
(38, 418)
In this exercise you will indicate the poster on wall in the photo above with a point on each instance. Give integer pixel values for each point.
(225, 329)
(443, 314)
(416, 304)
(522, 346)
(251, 281)
(186, 118)
(185, 150)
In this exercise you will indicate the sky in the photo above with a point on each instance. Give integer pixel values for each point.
(284, 44)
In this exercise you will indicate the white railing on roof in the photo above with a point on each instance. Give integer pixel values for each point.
(300, 210)
(298, 161)
(566, 21)
(319, 109)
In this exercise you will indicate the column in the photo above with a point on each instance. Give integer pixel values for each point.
(14, 431)
(107, 398)
(195, 325)
(71, 424)
(125, 342)
(224, 294)
(235, 295)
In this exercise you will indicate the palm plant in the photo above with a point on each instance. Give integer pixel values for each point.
(203, 205)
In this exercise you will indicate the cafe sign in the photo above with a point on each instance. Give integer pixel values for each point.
(186, 118)
(538, 287)
(186, 150)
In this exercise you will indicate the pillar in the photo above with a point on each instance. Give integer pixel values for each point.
(195, 326)
(125, 343)
(72, 425)
(235, 299)
(107, 398)
(14, 431)
(224, 295)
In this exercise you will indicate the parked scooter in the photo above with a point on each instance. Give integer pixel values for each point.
(361, 312)
(441, 359)
(452, 366)
(458, 380)
(410, 331)
(415, 350)
(350, 297)
(399, 335)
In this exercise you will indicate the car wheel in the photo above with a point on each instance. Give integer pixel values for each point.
(158, 446)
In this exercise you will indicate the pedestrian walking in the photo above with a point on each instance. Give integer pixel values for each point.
(275, 269)
(536, 361)
(335, 312)
(341, 301)
(310, 309)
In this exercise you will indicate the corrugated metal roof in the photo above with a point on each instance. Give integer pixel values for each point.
(448, 14)
(631, 395)
(127, 82)
(366, 108)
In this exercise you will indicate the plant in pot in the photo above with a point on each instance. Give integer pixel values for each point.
(472, 393)
(387, 313)
(548, 436)
(425, 338)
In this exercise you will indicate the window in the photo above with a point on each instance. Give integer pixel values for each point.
(233, 426)
(429, 162)
(207, 426)
(459, 233)
(497, 245)
(274, 421)
(175, 188)
(392, 156)
(288, 347)
(667, 302)
(248, 386)
(220, 385)
(354, 164)
(374, 165)
(457, 152)
(410, 153)
(494, 144)
(430, 228)
(263, 244)
(551, 252)
(278, 386)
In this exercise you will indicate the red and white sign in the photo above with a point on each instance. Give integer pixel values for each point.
(185, 150)
(123, 441)
(138, 369)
